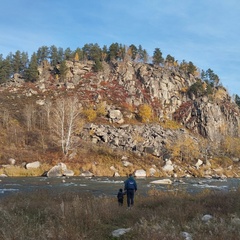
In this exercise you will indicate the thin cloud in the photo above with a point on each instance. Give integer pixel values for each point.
(205, 32)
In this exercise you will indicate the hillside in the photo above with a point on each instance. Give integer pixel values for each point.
(154, 117)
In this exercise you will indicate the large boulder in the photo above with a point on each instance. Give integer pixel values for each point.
(140, 173)
(55, 171)
(35, 164)
(59, 171)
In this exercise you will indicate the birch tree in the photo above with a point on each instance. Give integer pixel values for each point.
(29, 114)
(65, 121)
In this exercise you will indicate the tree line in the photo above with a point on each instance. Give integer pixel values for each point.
(19, 62)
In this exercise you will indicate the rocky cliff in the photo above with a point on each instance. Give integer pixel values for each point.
(127, 85)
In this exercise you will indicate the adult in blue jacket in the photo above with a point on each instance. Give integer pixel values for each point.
(130, 186)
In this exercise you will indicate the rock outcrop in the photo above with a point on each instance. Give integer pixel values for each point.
(123, 86)
(146, 138)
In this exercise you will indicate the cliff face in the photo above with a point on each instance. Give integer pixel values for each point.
(133, 84)
(165, 89)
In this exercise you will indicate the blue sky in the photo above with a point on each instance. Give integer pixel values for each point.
(205, 32)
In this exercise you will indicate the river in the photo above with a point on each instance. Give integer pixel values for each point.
(99, 186)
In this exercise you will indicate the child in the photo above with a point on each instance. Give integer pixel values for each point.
(120, 197)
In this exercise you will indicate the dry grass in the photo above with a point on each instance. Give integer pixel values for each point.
(13, 171)
(161, 215)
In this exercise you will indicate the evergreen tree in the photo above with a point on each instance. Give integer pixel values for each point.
(157, 56)
(95, 52)
(53, 55)
(210, 77)
(142, 53)
(183, 66)
(31, 73)
(24, 61)
(133, 51)
(5, 69)
(96, 55)
(19, 62)
(97, 65)
(60, 55)
(16, 62)
(170, 60)
(197, 89)
(104, 53)
(42, 54)
(145, 56)
(113, 51)
(237, 100)
(203, 75)
(63, 70)
(121, 54)
(86, 52)
(191, 68)
(68, 54)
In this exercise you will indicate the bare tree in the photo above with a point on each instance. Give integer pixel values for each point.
(65, 121)
(47, 110)
(5, 115)
(29, 114)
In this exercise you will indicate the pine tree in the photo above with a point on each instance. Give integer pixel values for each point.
(113, 51)
(16, 64)
(24, 61)
(5, 69)
(63, 70)
(104, 53)
(54, 55)
(42, 54)
(237, 100)
(31, 74)
(145, 56)
(68, 54)
(170, 60)
(191, 68)
(133, 51)
(157, 56)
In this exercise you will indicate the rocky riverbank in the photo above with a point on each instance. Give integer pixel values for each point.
(166, 168)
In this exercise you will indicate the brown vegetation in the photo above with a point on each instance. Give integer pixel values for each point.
(50, 134)
(161, 215)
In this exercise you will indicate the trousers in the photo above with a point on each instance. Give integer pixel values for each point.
(130, 197)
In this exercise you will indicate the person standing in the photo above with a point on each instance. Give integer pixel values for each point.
(120, 197)
(130, 186)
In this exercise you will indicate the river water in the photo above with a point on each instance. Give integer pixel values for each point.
(99, 186)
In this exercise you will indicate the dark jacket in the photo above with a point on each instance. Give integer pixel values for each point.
(120, 195)
(130, 184)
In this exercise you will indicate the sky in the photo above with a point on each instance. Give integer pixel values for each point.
(205, 32)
